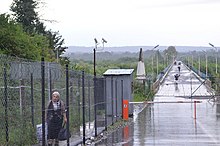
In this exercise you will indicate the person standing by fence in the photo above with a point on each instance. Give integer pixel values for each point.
(55, 117)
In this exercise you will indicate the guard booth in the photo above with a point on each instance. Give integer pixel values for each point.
(118, 88)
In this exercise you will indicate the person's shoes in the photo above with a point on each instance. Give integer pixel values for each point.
(50, 142)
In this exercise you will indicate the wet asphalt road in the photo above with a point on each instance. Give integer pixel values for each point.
(174, 120)
(177, 124)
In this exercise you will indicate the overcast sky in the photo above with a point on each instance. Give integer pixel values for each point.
(133, 22)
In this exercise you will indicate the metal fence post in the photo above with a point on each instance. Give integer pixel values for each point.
(112, 90)
(6, 103)
(67, 101)
(83, 100)
(89, 102)
(43, 99)
(78, 103)
(95, 106)
(105, 101)
(32, 100)
(122, 98)
(50, 83)
(116, 103)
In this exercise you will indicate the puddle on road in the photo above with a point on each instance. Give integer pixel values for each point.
(123, 136)
(158, 124)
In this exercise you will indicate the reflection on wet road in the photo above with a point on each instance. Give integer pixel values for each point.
(174, 124)
(171, 124)
(173, 120)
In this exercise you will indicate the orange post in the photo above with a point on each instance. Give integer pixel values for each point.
(125, 109)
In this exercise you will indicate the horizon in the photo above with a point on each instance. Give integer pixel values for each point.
(134, 49)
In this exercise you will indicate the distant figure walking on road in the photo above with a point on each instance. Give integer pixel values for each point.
(176, 77)
(178, 68)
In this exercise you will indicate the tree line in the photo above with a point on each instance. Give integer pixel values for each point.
(23, 34)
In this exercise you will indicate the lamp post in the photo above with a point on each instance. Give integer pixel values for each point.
(95, 111)
(152, 64)
(157, 60)
(153, 60)
(94, 51)
(216, 58)
(188, 60)
(166, 58)
(206, 64)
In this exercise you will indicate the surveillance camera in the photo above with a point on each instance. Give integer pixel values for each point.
(96, 41)
(104, 41)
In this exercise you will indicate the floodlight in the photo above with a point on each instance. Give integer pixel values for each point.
(212, 45)
(104, 41)
(96, 42)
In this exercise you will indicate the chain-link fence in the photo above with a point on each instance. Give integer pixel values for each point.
(26, 88)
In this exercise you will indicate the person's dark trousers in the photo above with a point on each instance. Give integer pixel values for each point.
(56, 142)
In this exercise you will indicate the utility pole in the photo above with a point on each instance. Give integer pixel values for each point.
(216, 58)
(95, 82)
(153, 60)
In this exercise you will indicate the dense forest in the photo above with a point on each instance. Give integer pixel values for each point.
(23, 34)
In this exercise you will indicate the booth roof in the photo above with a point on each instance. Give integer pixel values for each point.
(118, 72)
